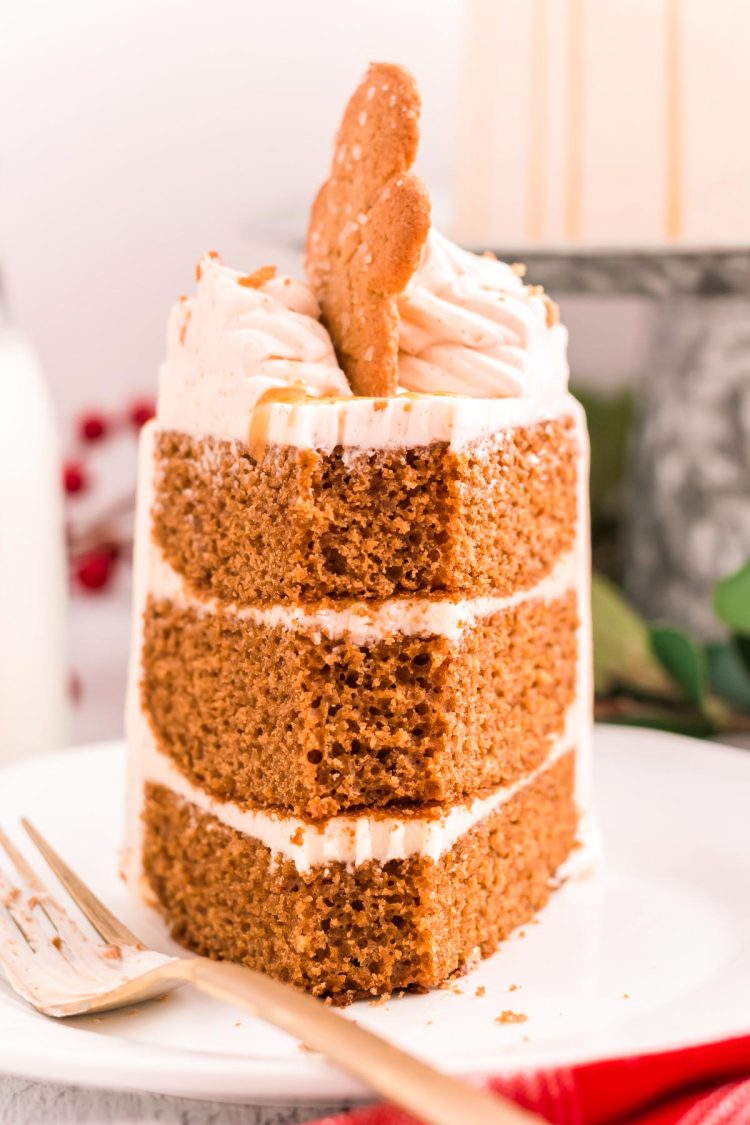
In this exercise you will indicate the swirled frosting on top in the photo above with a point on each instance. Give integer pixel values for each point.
(237, 339)
(470, 326)
(249, 360)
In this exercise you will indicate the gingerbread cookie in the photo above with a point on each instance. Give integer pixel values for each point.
(367, 227)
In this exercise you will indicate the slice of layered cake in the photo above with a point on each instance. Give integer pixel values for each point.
(360, 698)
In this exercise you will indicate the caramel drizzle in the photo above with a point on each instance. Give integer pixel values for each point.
(257, 435)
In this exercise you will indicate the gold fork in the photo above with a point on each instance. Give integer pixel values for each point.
(61, 971)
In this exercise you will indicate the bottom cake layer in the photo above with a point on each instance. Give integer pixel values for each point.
(354, 931)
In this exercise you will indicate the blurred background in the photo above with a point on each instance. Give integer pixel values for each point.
(603, 141)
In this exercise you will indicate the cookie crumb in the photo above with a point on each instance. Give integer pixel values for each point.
(260, 277)
(507, 1016)
(552, 310)
(198, 267)
(380, 1000)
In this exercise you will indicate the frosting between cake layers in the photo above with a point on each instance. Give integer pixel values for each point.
(348, 839)
(477, 356)
(362, 623)
(426, 837)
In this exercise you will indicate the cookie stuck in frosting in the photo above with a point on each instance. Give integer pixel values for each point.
(368, 226)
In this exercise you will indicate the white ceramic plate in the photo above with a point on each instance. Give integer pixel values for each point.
(652, 952)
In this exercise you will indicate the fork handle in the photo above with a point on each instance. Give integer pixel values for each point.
(432, 1096)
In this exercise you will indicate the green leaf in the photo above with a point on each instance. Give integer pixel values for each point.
(729, 675)
(623, 656)
(742, 645)
(732, 600)
(683, 659)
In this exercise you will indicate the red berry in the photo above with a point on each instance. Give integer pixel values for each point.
(92, 426)
(75, 477)
(93, 571)
(141, 411)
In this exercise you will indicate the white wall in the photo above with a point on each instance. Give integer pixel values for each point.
(135, 135)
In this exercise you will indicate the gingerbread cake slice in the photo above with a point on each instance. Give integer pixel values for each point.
(359, 707)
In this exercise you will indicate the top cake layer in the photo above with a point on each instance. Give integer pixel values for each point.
(248, 360)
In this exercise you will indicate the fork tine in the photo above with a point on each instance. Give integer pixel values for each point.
(24, 934)
(21, 902)
(17, 953)
(50, 962)
(109, 928)
(12, 900)
(20, 863)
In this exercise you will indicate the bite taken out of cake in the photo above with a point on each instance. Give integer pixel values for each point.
(360, 697)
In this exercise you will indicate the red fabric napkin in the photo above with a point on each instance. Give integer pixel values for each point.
(705, 1085)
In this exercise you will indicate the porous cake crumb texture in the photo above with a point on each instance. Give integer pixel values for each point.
(290, 718)
(303, 525)
(351, 932)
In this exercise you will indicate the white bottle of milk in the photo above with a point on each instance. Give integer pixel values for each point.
(33, 671)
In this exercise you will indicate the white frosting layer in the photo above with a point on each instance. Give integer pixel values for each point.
(362, 623)
(403, 422)
(342, 839)
(470, 327)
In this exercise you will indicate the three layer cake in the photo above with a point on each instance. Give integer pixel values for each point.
(360, 696)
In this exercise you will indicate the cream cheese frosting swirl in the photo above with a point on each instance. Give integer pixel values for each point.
(469, 325)
(248, 360)
(237, 339)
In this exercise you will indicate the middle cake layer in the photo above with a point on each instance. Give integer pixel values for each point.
(264, 714)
